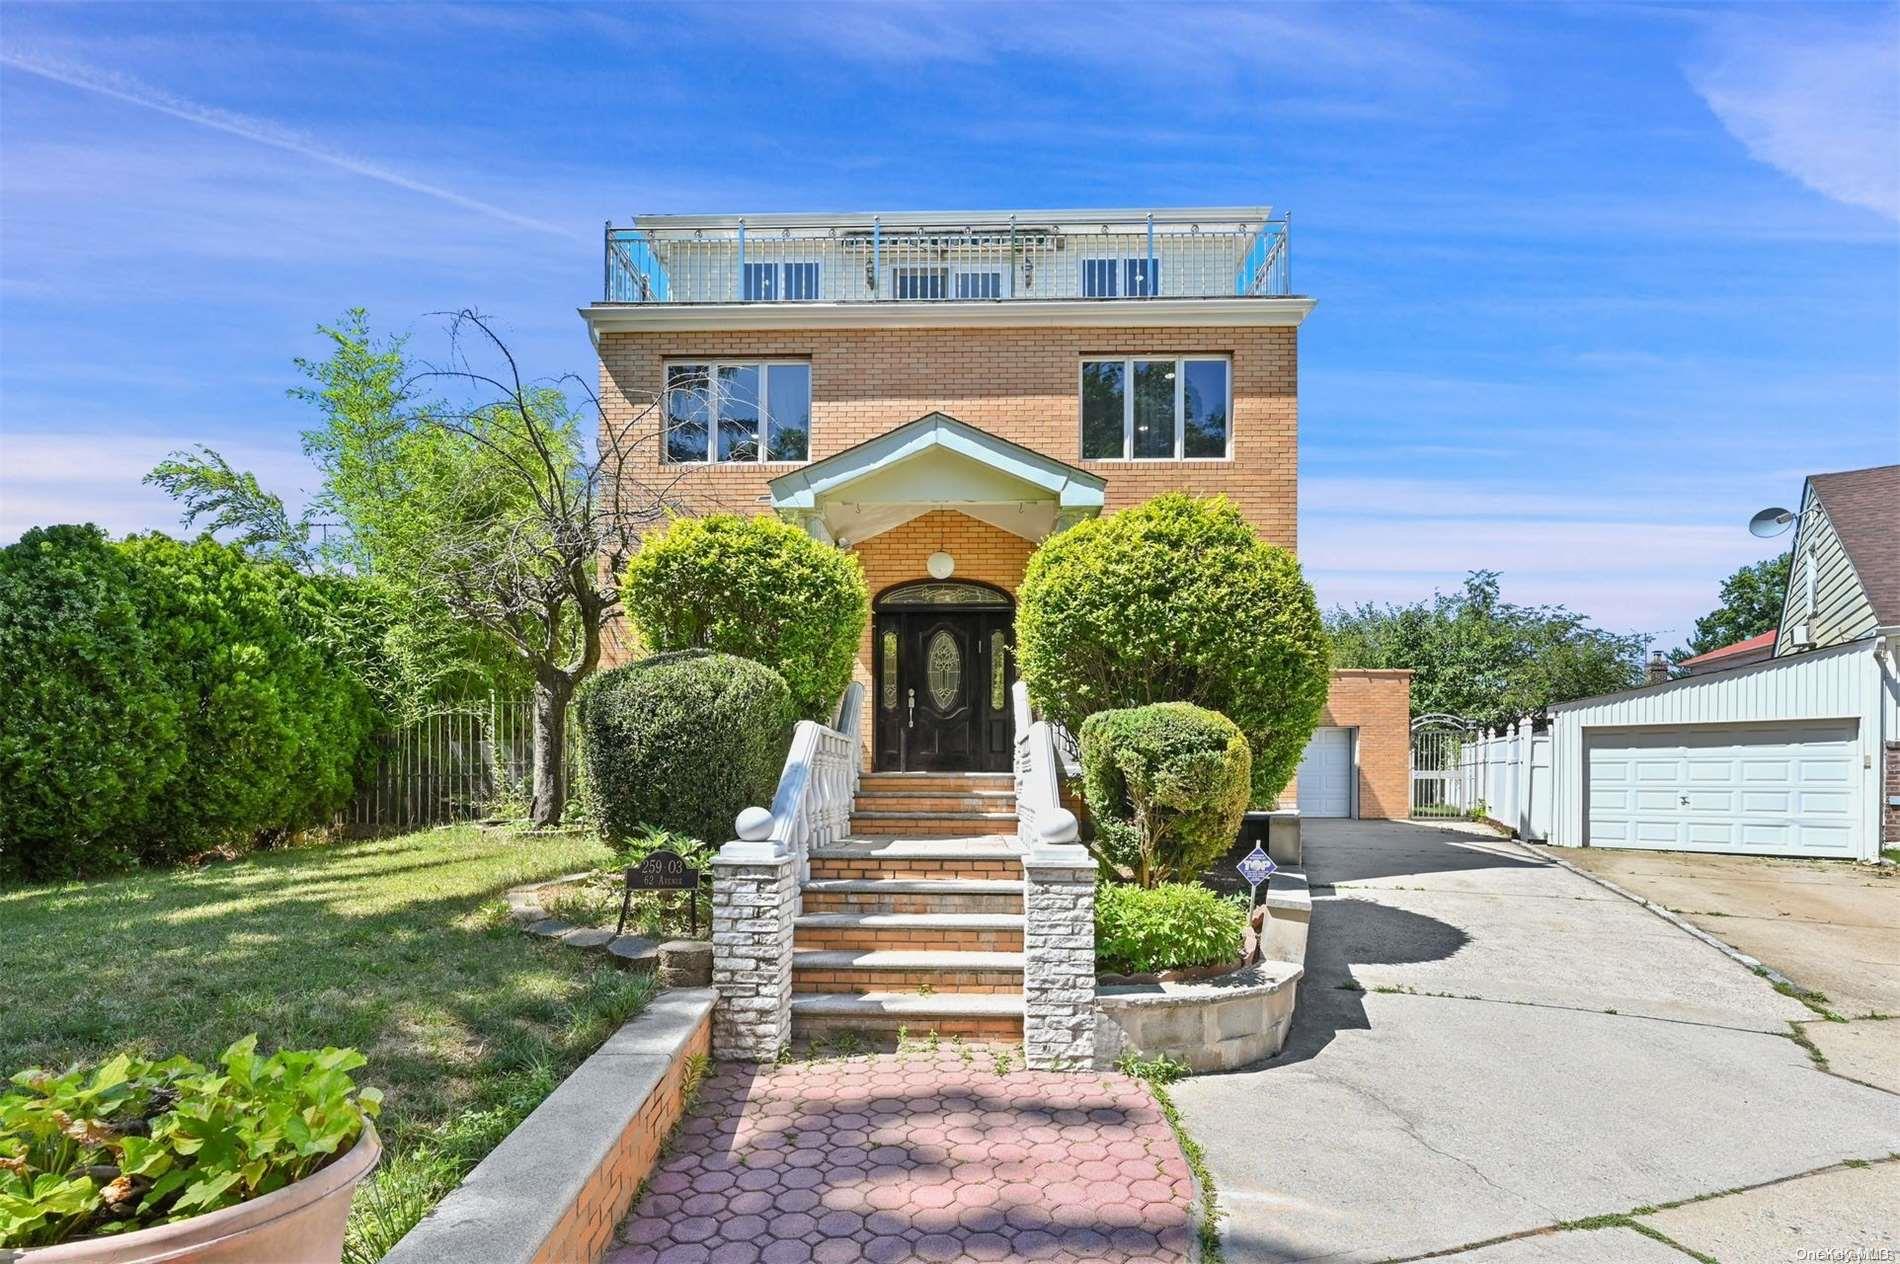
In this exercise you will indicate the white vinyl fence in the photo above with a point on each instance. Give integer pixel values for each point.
(1504, 777)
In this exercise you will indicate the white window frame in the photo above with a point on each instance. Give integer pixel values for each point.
(712, 368)
(778, 276)
(1128, 363)
(1121, 275)
(999, 270)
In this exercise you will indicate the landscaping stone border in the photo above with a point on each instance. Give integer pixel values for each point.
(1217, 1025)
(678, 960)
(556, 1188)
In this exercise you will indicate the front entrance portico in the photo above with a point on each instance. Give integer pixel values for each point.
(943, 517)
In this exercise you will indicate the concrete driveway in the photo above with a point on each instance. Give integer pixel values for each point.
(1489, 1045)
(1831, 927)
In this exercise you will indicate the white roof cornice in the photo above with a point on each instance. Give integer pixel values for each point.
(606, 318)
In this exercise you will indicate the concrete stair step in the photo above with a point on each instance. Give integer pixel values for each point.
(971, 1015)
(913, 895)
(921, 973)
(991, 856)
(953, 782)
(910, 932)
(940, 824)
(935, 802)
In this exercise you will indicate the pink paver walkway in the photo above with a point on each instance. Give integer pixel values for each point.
(915, 1157)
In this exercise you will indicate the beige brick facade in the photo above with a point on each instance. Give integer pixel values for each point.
(1378, 704)
(1022, 384)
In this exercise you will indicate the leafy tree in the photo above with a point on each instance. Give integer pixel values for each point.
(1176, 600)
(1477, 656)
(496, 520)
(273, 727)
(683, 742)
(756, 587)
(89, 737)
(1167, 785)
(1751, 605)
(234, 502)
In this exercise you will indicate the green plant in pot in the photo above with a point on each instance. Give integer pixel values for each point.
(141, 1159)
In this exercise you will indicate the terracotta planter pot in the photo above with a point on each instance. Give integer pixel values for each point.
(298, 1224)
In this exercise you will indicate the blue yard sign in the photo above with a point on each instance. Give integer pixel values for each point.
(1256, 867)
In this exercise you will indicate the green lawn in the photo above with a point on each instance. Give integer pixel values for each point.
(399, 946)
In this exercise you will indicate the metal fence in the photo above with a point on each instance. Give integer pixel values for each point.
(456, 763)
(762, 261)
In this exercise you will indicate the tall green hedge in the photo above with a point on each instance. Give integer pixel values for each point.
(1166, 785)
(164, 698)
(683, 742)
(1177, 600)
(89, 734)
(758, 588)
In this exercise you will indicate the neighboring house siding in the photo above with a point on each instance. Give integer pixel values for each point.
(1020, 384)
(1840, 612)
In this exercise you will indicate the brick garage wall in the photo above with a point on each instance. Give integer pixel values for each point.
(1020, 384)
(1889, 812)
(1379, 705)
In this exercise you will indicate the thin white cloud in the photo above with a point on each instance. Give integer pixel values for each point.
(262, 131)
(1821, 104)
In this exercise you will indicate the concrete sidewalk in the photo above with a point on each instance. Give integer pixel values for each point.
(1489, 1045)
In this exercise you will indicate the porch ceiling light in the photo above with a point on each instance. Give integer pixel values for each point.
(940, 565)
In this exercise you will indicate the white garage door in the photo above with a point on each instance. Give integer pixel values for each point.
(1325, 779)
(1781, 790)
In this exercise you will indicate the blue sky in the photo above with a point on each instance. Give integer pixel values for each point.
(1595, 283)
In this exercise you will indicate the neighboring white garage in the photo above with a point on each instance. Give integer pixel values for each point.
(1327, 773)
(1782, 758)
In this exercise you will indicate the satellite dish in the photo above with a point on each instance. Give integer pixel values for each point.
(1769, 523)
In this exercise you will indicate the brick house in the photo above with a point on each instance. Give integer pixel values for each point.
(940, 391)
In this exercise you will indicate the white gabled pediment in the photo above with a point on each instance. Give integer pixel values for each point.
(936, 462)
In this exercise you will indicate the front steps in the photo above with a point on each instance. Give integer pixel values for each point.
(915, 923)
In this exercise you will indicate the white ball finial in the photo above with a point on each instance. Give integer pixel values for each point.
(755, 824)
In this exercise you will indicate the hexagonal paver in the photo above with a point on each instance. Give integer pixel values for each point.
(913, 1157)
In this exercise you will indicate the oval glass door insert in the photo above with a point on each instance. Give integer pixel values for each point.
(944, 669)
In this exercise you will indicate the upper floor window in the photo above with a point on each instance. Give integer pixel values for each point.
(1111, 278)
(1153, 409)
(920, 282)
(767, 282)
(717, 411)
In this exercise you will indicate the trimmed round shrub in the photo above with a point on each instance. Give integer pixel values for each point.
(683, 742)
(89, 736)
(275, 727)
(758, 588)
(1142, 930)
(1177, 600)
(1166, 785)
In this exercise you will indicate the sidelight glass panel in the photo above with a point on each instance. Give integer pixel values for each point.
(688, 411)
(889, 650)
(1154, 408)
(999, 665)
(1102, 387)
(943, 669)
(1204, 408)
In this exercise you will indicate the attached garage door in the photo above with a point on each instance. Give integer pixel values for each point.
(1325, 778)
(1781, 790)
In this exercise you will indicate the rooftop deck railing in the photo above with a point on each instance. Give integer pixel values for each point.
(762, 261)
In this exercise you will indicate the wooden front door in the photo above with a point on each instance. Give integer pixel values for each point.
(942, 689)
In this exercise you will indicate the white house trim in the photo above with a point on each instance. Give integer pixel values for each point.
(935, 462)
(1114, 313)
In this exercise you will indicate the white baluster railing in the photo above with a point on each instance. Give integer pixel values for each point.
(1040, 816)
(812, 806)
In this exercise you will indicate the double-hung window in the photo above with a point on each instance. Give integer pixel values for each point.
(1157, 409)
(931, 281)
(723, 411)
(1111, 278)
(769, 282)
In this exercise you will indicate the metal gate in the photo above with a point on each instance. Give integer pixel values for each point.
(1442, 778)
